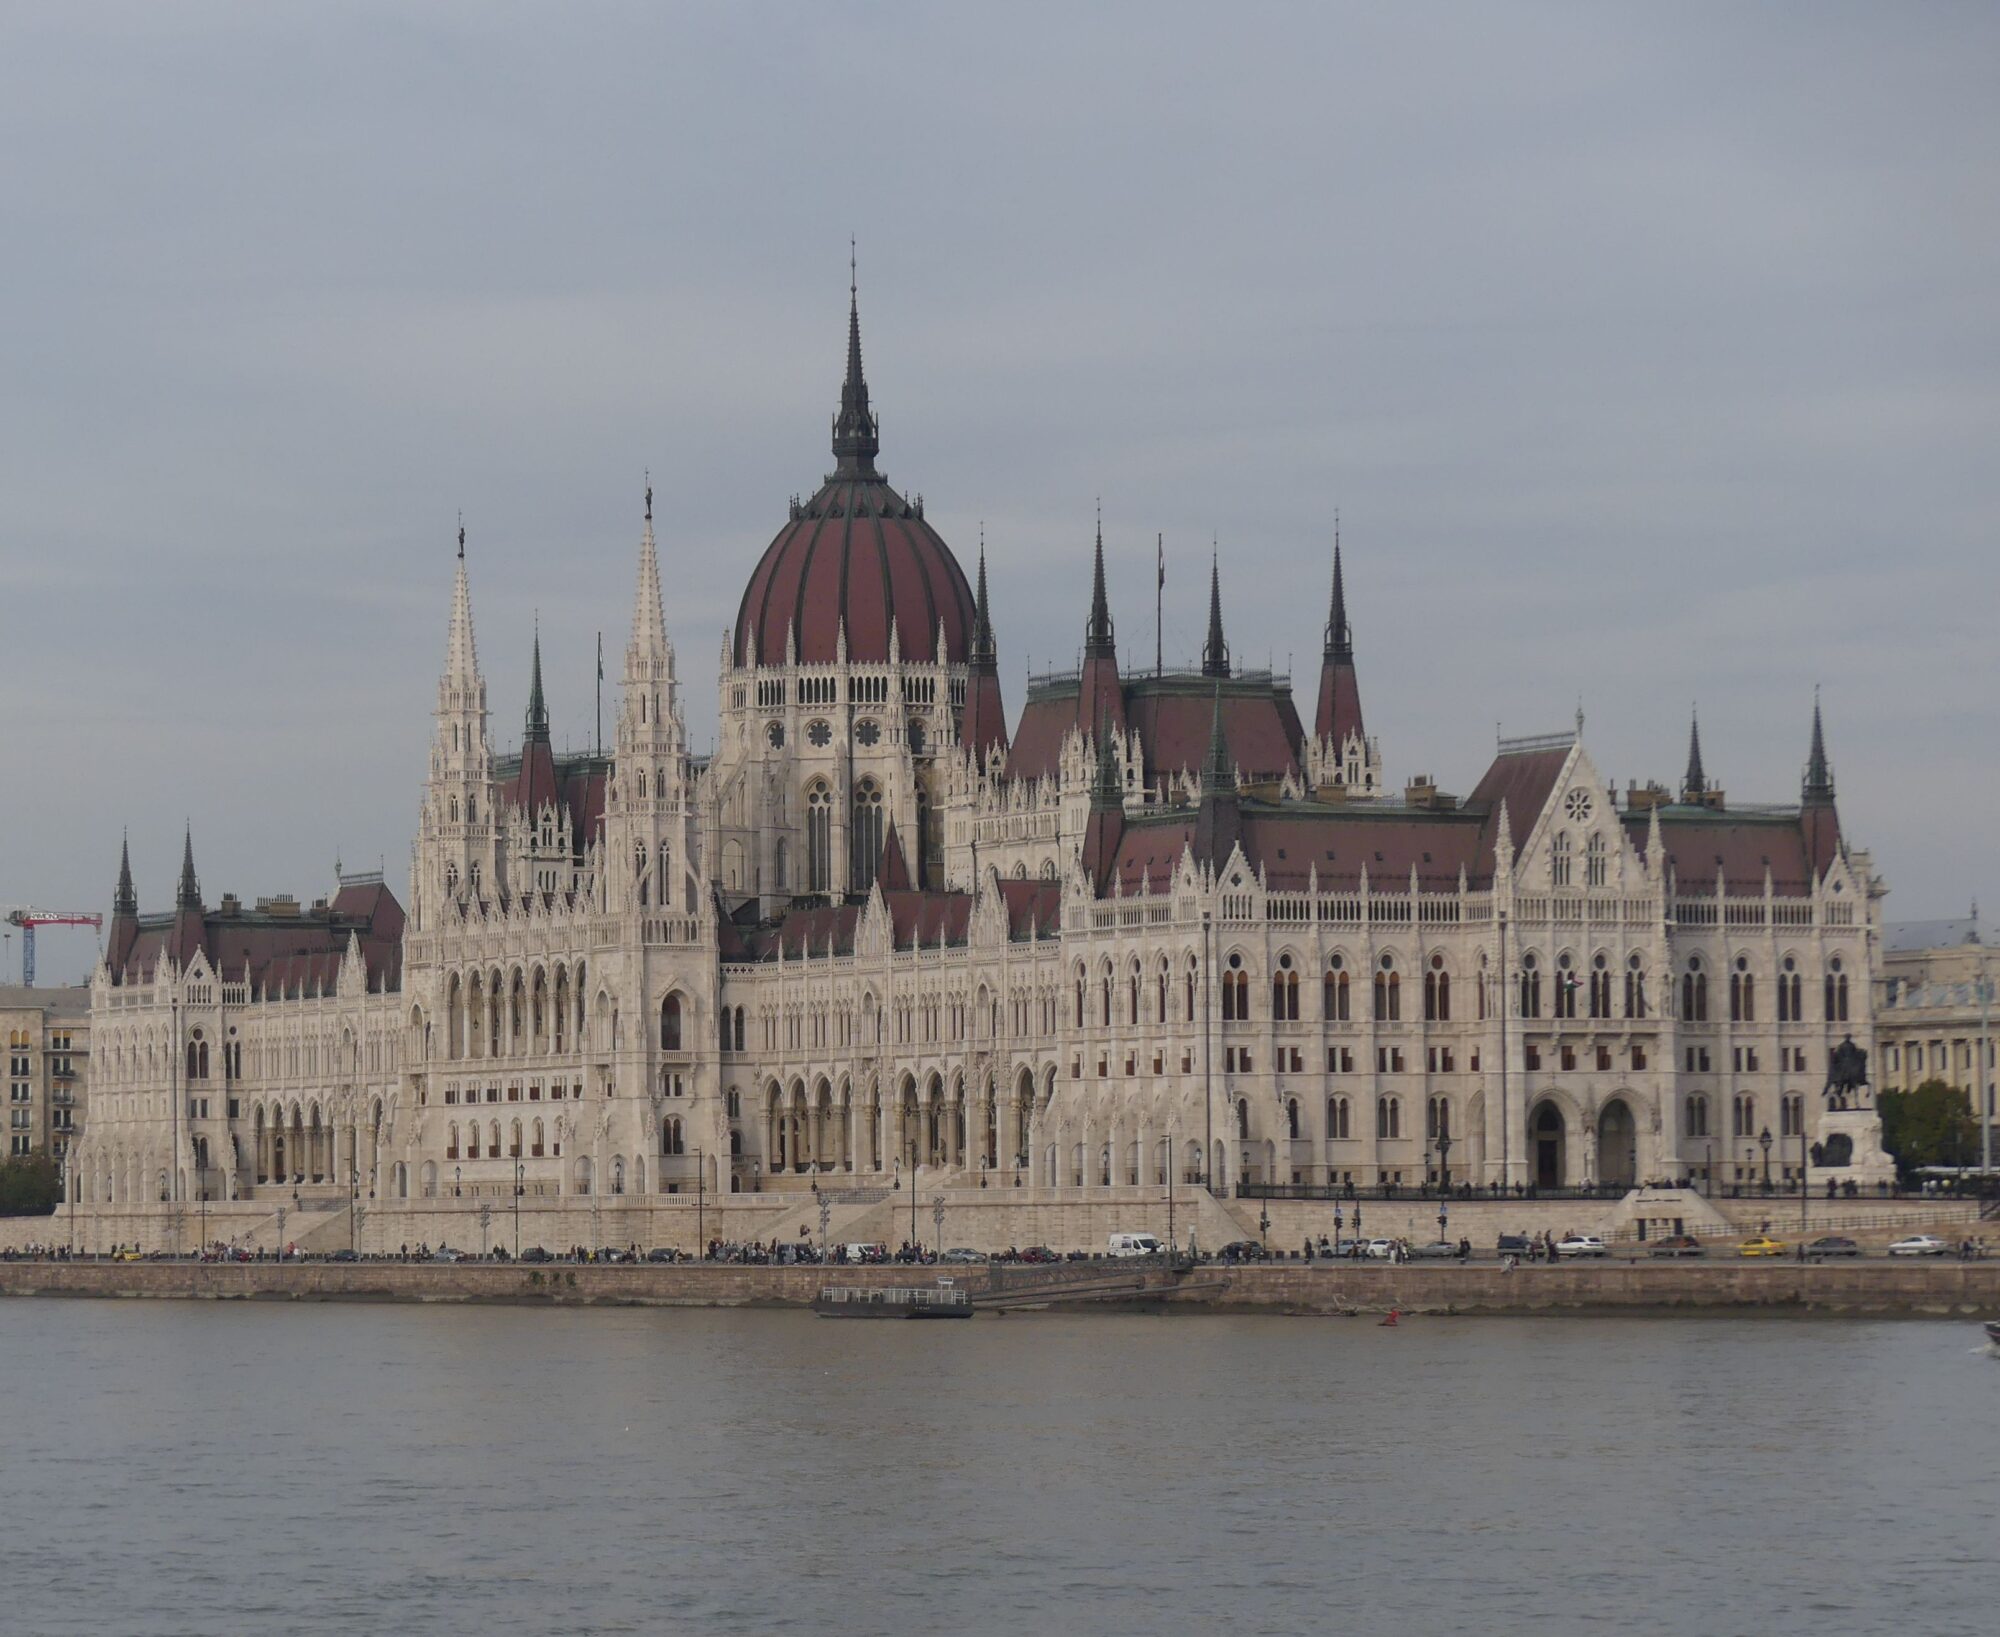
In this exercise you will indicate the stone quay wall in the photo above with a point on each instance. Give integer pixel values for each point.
(1913, 1288)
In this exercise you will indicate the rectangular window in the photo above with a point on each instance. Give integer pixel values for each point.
(1532, 1055)
(1638, 1057)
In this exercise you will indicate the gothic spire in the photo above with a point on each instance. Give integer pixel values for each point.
(1695, 785)
(1819, 776)
(125, 901)
(1107, 792)
(1097, 635)
(538, 709)
(983, 650)
(855, 429)
(1339, 639)
(649, 620)
(1215, 652)
(1218, 772)
(188, 894)
(461, 652)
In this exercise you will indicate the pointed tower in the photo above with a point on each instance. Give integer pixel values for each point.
(1215, 652)
(1817, 813)
(1694, 784)
(535, 791)
(124, 915)
(1342, 748)
(982, 725)
(1105, 826)
(1101, 696)
(455, 851)
(648, 823)
(189, 915)
(1219, 818)
(856, 434)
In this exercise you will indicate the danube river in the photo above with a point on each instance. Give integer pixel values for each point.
(179, 1467)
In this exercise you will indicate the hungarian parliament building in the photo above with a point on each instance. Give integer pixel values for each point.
(1161, 925)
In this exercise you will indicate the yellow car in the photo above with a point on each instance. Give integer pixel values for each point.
(1758, 1245)
(129, 1256)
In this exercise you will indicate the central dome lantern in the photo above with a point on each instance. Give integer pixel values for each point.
(857, 554)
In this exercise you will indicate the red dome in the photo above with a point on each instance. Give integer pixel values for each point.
(858, 552)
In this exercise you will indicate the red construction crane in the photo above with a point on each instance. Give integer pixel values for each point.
(28, 919)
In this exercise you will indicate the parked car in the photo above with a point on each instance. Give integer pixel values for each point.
(444, 1253)
(1135, 1244)
(1515, 1244)
(1832, 1245)
(961, 1254)
(1039, 1253)
(1380, 1250)
(1761, 1245)
(1243, 1250)
(535, 1253)
(1681, 1244)
(611, 1253)
(659, 1253)
(344, 1255)
(1919, 1244)
(1580, 1244)
(1435, 1250)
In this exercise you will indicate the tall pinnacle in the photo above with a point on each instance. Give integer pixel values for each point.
(538, 709)
(1107, 791)
(855, 440)
(461, 651)
(1097, 635)
(1339, 639)
(983, 650)
(125, 901)
(649, 620)
(1215, 652)
(1218, 772)
(1819, 776)
(1695, 785)
(188, 894)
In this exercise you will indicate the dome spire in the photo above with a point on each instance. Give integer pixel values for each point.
(1695, 785)
(538, 709)
(855, 430)
(188, 894)
(1097, 635)
(982, 614)
(125, 901)
(1215, 652)
(1339, 637)
(1819, 776)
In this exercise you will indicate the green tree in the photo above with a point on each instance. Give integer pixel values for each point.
(29, 1186)
(1932, 1125)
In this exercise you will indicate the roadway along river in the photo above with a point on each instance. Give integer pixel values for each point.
(176, 1467)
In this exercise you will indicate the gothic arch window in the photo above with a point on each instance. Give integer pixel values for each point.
(1697, 1116)
(1191, 968)
(639, 875)
(670, 1023)
(1292, 1117)
(452, 808)
(867, 833)
(1337, 1003)
(1694, 992)
(1285, 991)
(1567, 985)
(1337, 1118)
(1559, 859)
(1635, 987)
(1836, 992)
(1595, 862)
(1742, 992)
(1243, 1120)
(1600, 986)
(1388, 991)
(1789, 993)
(1163, 989)
(471, 809)
(819, 838)
(1531, 986)
(1235, 991)
(1437, 992)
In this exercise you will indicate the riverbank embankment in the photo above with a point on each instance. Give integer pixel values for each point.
(1912, 1288)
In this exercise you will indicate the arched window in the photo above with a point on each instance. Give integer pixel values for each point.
(1388, 992)
(1337, 1118)
(1600, 987)
(1132, 983)
(1742, 992)
(1292, 1117)
(1163, 990)
(1694, 992)
(1788, 993)
(1567, 985)
(1594, 861)
(1437, 992)
(535, 1145)
(1079, 997)
(1531, 987)
(493, 1140)
(1243, 1120)
(1336, 1004)
(1437, 1118)
(1697, 1116)
(1235, 991)
(1836, 992)
(670, 1023)
(819, 839)
(451, 1141)
(1104, 995)
(1635, 988)
(514, 1141)
(1285, 991)
(1559, 859)
(867, 834)
(641, 875)
(1388, 1117)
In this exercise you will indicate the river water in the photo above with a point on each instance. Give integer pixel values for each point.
(177, 1467)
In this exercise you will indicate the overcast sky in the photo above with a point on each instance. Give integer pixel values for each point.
(1651, 355)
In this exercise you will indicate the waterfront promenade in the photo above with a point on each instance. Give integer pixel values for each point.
(1926, 1288)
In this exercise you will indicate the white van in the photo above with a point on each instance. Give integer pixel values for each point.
(1136, 1244)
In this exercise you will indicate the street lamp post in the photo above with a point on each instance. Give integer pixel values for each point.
(456, 1173)
(1764, 1142)
(520, 1171)
(700, 1206)
(937, 1221)
(353, 1202)
(1338, 1217)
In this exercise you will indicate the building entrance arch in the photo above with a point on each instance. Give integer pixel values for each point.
(1617, 1144)
(1547, 1139)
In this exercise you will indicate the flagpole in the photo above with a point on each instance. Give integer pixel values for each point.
(600, 693)
(1160, 610)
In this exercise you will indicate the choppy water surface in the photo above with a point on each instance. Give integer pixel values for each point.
(184, 1468)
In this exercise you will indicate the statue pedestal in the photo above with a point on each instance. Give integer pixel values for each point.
(1868, 1164)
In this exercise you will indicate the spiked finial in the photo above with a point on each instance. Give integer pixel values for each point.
(125, 901)
(649, 494)
(1339, 638)
(855, 430)
(1695, 785)
(1097, 636)
(188, 894)
(1215, 652)
(1108, 790)
(1819, 776)
(983, 651)
(538, 709)
(461, 537)
(1219, 771)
